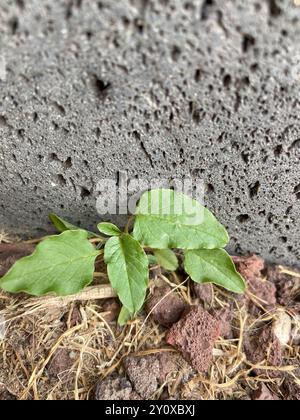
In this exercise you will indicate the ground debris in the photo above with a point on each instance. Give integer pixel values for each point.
(61, 349)
(264, 348)
(204, 292)
(165, 306)
(10, 253)
(264, 394)
(5, 395)
(282, 327)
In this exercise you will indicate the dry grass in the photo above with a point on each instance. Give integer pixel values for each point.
(34, 329)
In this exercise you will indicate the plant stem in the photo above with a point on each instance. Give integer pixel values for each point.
(127, 227)
(100, 276)
(97, 240)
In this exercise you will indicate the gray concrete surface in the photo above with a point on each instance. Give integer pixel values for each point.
(157, 88)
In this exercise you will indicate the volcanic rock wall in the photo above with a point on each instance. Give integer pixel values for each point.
(157, 88)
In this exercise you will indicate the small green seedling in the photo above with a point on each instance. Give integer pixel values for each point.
(165, 221)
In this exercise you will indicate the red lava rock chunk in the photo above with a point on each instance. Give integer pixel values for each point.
(265, 291)
(60, 364)
(194, 336)
(225, 316)
(264, 394)
(264, 348)
(115, 388)
(251, 269)
(112, 309)
(169, 310)
(147, 373)
(10, 253)
(204, 292)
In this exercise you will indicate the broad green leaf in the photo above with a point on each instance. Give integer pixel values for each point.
(167, 259)
(63, 226)
(169, 219)
(128, 272)
(214, 266)
(152, 260)
(124, 316)
(62, 264)
(109, 229)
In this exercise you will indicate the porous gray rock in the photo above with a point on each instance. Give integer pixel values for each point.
(157, 88)
(115, 388)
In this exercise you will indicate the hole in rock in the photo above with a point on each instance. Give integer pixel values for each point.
(14, 25)
(206, 9)
(248, 43)
(99, 86)
(84, 193)
(254, 189)
(274, 9)
(3, 121)
(243, 218)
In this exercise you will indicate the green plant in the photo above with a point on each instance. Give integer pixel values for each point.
(165, 221)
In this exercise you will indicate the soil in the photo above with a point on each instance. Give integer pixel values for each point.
(5, 395)
(165, 305)
(10, 253)
(60, 364)
(192, 342)
(264, 347)
(205, 293)
(264, 394)
(111, 308)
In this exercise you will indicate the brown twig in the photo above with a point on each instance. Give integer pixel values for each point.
(102, 291)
